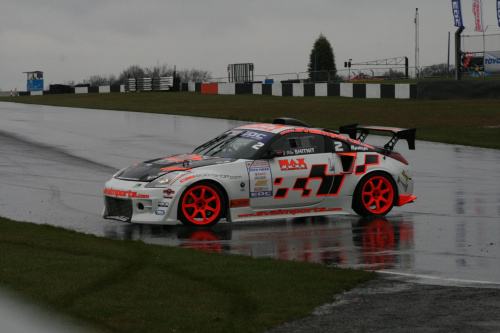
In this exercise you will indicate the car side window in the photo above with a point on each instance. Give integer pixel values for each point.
(299, 144)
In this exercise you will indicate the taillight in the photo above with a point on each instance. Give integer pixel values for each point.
(398, 157)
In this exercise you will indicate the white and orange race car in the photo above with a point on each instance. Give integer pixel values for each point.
(266, 171)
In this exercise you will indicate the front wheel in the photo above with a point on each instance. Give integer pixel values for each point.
(374, 195)
(201, 205)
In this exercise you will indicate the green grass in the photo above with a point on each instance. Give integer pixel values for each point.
(465, 122)
(129, 286)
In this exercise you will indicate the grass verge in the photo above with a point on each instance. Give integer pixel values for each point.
(129, 286)
(465, 122)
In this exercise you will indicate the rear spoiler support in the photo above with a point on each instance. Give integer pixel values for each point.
(397, 134)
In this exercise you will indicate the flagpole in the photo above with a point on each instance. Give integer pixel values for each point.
(448, 64)
(458, 53)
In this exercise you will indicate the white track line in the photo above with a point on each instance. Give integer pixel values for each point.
(430, 277)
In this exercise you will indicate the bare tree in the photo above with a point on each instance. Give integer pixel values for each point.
(194, 74)
(134, 71)
(101, 80)
(159, 71)
(394, 74)
(435, 70)
(96, 80)
(70, 83)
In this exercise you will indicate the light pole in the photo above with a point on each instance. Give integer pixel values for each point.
(416, 43)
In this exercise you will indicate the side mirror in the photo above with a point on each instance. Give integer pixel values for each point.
(272, 154)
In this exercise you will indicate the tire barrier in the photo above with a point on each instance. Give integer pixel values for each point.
(144, 84)
(130, 85)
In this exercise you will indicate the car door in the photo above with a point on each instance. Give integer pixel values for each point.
(301, 173)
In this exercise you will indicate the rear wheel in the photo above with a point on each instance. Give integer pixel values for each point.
(202, 204)
(374, 195)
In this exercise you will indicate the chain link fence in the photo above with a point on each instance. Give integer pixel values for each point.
(474, 42)
(386, 73)
(474, 45)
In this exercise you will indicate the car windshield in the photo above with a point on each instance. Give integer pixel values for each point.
(235, 144)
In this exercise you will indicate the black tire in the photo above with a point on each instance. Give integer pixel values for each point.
(375, 194)
(201, 205)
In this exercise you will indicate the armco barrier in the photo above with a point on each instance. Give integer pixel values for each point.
(210, 88)
(257, 89)
(267, 89)
(242, 88)
(459, 90)
(310, 89)
(62, 89)
(287, 89)
(104, 89)
(402, 91)
(81, 90)
(346, 89)
(277, 89)
(359, 90)
(387, 91)
(440, 90)
(226, 88)
(352, 90)
(373, 91)
(298, 89)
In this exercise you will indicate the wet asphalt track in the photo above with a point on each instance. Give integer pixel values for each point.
(54, 162)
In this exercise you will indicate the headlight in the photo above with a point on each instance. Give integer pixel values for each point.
(167, 179)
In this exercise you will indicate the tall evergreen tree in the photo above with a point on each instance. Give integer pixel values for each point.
(322, 61)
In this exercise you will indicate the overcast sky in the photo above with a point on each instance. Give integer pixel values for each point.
(71, 40)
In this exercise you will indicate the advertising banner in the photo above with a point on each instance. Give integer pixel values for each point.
(477, 10)
(492, 61)
(35, 81)
(457, 13)
(34, 85)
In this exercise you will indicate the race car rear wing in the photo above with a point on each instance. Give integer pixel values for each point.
(397, 133)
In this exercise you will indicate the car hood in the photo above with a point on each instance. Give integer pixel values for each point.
(150, 170)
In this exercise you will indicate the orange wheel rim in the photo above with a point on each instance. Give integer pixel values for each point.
(201, 205)
(378, 195)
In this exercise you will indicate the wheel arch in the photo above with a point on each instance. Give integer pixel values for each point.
(369, 174)
(212, 182)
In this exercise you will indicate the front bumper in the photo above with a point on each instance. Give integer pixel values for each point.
(131, 201)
